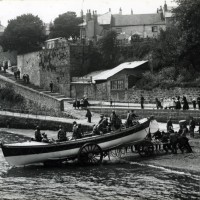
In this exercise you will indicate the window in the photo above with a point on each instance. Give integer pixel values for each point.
(118, 30)
(154, 29)
(117, 85)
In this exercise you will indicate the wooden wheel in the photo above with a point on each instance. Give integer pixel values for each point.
(90, 154)
(145, 148)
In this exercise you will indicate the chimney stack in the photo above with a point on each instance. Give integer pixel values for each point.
(109, 9)
(131, 11)
(120, 11)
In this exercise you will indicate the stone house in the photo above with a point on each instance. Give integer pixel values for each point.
(145, 25)
(114, 83)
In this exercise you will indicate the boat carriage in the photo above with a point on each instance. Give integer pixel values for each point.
(88, 150)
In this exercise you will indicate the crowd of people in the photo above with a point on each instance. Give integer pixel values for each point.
(81, 103)
(174, 140)
(177, 103)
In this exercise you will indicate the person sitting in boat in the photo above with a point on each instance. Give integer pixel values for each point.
(38, 135)
(77, 132)
(103, 125)
(95, 130)
(113, 118)
(45, 138)
(118, 123)
(101, 119)
(62, 134)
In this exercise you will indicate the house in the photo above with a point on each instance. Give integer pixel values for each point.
(2, 28)
(113, 83)
(145, 25)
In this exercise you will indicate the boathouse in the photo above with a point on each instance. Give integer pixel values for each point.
(109, 84)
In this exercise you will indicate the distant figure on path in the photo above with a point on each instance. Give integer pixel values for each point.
(178, 103)
(194, 103)
(51, 86)
(111, 102)
(89, 115)
(185, 103)
(142, 102)
(158, 104)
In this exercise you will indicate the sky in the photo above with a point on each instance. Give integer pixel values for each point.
(48, 10)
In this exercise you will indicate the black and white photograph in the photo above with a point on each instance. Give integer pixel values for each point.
(100, 99)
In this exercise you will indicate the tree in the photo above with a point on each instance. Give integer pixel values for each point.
(23, 34)
(108, 46)
(66, 25)
(187, 16)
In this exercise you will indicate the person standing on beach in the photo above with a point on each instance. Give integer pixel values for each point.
(89, 115)
(191, 127)
(169, 124)
(142, 102)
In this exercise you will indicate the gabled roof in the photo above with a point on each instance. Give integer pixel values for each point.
(104, 19)
(136, 19)
(109, 73)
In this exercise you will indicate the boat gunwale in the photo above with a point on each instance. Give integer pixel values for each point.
(81, 140)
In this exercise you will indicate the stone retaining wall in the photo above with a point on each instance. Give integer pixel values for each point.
(30, 123)
(160, 115)
(44, 100)
(133, 95)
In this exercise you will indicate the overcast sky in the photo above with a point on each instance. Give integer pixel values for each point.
(48, 10)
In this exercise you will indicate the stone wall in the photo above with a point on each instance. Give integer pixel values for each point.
(29, 64)
(79, 60)
(55, 67)
(8, 56)
(31, 123)
(43, 100)
(160, 115)
(134, 94)
(102, 92)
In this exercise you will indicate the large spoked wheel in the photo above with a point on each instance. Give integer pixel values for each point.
(145, 149)
(90, 154)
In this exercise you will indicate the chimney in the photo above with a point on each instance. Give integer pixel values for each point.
(81, 13)
(161, 13)
(165, 7)
(120, 11)
(88, 16)
(109, 9)
(131, 11)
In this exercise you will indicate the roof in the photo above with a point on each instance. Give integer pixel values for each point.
(109, 73)
(104, 19)
(136, 19)
(59, 38)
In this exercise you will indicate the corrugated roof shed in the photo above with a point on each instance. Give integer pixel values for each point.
(136, 19)
(108, 73)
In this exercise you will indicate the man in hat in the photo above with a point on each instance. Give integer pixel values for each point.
(61, 134)
(38, 135)
(169, 124)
